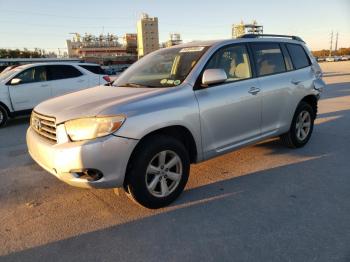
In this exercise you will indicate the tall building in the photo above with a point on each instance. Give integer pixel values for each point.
(242, 28)
(147, 35)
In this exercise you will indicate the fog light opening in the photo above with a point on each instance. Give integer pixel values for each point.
(89, 174)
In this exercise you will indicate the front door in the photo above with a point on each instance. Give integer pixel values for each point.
(32, 89)
(230, 112)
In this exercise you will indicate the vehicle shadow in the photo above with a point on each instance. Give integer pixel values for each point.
(286, 213)
(18, 121)
(334, 90)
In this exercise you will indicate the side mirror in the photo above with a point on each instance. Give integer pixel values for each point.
(214, 76)
(15, 81)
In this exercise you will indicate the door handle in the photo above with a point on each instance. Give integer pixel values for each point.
(44, 85)
(81, 80)
(254, 90)
(295, 82)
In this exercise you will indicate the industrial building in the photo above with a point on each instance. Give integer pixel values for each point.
(104, 49)
(242, 28)
(147, 35)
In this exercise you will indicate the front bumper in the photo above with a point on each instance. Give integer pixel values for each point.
(108, 154)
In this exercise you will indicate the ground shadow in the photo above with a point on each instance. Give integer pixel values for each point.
(282, 214)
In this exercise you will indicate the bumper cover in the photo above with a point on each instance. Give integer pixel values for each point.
(110, 155)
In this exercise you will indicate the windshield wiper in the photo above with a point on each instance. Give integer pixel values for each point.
(137, 85)
(133, 85)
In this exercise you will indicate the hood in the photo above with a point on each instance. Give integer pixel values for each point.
(90, 102)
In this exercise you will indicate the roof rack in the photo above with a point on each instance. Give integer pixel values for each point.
(297, 38)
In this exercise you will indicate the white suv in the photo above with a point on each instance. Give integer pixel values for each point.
(23, 87)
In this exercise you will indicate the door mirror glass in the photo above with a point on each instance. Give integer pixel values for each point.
(214, 76)
(16, 81)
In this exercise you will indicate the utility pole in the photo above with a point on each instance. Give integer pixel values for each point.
(330, 49)
(336, 44)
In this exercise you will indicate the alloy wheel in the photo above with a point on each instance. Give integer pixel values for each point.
(163, 173)
(303, 125)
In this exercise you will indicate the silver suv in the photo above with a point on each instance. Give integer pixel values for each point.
(177, 106)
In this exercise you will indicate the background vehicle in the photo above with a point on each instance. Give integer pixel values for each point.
(321, 59)
(23, 87)
(333, 59)
(178, 106)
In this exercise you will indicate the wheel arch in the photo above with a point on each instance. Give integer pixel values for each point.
(179, 132)
(6, 109)
(312, 101)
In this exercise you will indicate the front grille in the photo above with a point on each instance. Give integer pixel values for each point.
(45, 126)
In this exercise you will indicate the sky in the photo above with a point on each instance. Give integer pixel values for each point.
(47, 24)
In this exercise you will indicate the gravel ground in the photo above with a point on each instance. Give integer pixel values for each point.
(261, 203)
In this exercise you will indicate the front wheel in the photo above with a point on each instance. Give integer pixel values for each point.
(301, 128)
(158, 172)
(3, 116)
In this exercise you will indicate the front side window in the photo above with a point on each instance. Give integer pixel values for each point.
(57, 72)
(298, 55)
(167, 67)
(234, 60)
(268, 58)
(31, 75)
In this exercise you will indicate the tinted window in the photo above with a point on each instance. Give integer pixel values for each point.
(94, 69)
(298, 55)
(268, 58)
(56, 72)
(234, 60)
(34, 74)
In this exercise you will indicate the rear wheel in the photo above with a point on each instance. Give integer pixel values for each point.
(158, 172)
(3, 116)
(301, 127)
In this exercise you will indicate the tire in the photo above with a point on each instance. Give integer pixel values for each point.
(3, 116)
(295, 138)
(147, 177)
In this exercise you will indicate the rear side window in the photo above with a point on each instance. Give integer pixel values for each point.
(268, 58)
(94, 69)
(298, 55)
(56, 72)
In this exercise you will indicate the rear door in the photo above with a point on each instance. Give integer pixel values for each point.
(65, 79)
(96, 74)
(230, 112)
(303, 71)
(33, 88)
(275, 83)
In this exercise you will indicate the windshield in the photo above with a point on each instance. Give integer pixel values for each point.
(167, 67)
(7, 73)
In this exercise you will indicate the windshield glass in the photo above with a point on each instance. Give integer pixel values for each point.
(167, 67)
(6, 74)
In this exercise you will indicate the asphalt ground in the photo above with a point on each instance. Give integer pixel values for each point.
(261, 203)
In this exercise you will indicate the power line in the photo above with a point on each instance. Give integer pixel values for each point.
(62, 26)
(66, 16)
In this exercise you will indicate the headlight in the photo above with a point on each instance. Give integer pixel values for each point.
(93, 127)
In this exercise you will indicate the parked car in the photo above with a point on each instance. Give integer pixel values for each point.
(143, 132)
(345, 58)
(23, 87)
(321, 59)
(333, 59)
